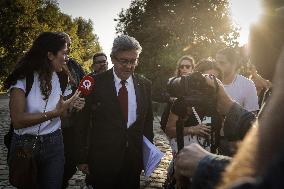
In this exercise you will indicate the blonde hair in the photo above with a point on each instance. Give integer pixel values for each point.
(185, 57)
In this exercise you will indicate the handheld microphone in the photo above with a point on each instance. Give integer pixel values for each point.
(86, 85)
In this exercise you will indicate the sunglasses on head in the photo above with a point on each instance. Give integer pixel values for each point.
(185, 66)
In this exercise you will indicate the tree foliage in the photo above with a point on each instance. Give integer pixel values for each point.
(168, 29)
(22, 20)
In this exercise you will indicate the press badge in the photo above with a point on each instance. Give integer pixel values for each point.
(206, 120)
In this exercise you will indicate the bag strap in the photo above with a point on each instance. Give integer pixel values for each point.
(63, 80)
(29, 83)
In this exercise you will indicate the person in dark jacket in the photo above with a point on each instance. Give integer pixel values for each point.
(118, 113)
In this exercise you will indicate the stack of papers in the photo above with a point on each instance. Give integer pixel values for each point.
(151, 156)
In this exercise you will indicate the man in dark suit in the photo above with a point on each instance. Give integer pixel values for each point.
(118, 113)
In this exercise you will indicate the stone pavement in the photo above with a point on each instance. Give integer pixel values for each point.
(155, 181)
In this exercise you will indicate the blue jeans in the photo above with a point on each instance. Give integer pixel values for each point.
(49, 154)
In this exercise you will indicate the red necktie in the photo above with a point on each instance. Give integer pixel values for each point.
(123, 99)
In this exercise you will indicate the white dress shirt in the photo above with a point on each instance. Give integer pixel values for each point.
(132, 104)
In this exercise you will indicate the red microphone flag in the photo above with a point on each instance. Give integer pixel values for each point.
(86, 85)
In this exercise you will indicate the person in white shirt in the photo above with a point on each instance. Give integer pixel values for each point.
(239, 88)
(35, 111)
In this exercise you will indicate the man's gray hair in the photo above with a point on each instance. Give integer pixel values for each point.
(125, 43)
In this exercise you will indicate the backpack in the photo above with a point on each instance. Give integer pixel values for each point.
(63, 79)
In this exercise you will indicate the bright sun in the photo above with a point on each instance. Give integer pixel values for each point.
(244, 13)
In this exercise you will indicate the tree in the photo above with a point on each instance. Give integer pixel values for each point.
(168, 29)
(18, 28)
(21, 21)
(88, 42)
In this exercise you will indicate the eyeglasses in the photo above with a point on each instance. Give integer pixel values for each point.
(127, 62)
(185, 66)
(100, 61)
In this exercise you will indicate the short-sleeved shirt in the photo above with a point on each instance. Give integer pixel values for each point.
(36, 104)
(243, 91)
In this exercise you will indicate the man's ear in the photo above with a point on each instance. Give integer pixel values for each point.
(50, 56)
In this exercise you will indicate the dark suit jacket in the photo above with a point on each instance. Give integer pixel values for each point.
(102, 122)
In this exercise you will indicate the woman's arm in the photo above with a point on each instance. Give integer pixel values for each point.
(19, 117)
(201, 129)
(22, 119)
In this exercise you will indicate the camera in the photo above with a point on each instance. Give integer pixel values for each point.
(193, 91)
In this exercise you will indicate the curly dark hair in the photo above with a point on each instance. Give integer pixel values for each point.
(208, 64)
(36, 60)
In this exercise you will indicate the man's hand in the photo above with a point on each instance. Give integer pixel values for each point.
(188, 159)
(224, 102)
(84, 168)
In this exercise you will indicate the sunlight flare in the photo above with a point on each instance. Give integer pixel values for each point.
(244, 13)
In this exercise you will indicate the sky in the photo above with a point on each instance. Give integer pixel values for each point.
(103, 13)
(244, 13)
